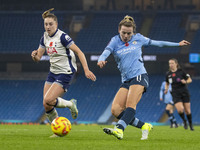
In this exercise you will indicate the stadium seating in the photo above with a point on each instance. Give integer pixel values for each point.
(21, 100)
(195, 43)
(22, 31)
(102, 28)
(166, 27)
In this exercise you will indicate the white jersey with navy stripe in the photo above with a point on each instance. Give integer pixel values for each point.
(62, 59)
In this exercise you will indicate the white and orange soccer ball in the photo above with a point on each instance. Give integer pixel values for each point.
(61, 126)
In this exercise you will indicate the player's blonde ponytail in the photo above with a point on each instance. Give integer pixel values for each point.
(48, 14)
(128, 21)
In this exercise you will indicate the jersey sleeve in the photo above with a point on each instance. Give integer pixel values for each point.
(162, 88)
(42, 42)
(111, 45)
(163, 43)
(66, 40)
(145, 40)
(166, 78)
(185, 75)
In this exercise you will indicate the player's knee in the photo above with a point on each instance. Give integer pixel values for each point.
(116, 110)
(48, 102)
(187, 112)
(180, 111)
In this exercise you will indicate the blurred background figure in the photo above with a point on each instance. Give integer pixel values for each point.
(181, 97)
(167, 98)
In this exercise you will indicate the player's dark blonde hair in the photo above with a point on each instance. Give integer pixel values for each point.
(47, 14)
(128, 21)
(176, 62)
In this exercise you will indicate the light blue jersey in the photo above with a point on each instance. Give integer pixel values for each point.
(166, 97)
(128, 56)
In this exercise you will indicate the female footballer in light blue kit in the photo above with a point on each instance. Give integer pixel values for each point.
(126, 49)
(61, 48)
(169, 103)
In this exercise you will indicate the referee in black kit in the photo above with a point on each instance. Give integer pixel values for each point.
(181, 97)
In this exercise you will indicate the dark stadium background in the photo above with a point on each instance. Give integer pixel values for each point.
(91, 24)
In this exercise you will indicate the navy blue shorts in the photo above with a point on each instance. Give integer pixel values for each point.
(63, 79)
(142, 79)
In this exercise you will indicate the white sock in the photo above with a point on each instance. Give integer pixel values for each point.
(62, 103)
(52, 115)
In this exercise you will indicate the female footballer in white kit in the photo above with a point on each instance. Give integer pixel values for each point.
(60, 47)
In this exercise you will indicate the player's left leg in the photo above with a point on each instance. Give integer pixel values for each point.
(188, 114)
(169, 111)
(52, 99)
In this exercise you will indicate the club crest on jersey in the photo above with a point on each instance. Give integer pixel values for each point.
(134, 42)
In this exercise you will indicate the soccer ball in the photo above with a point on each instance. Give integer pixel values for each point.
(61, 126)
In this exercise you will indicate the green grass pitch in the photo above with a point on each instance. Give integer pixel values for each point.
(91, 137)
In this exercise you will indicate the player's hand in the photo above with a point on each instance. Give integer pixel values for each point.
(184, 42)
(90, 75)
(34, 53)
(166, 90)
(183, 81)
(101, 64)
(161, 99)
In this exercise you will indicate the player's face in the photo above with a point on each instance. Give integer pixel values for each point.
(172, 65)
(126, 33)
(50, 26)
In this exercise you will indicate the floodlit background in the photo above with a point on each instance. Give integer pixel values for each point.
(91, 24)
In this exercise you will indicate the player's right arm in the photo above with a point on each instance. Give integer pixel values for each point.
(109, 48)
(37, 54)
(166, 87)
(102, 59)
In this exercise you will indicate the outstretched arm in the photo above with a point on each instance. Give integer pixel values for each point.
(83, 61)
(102, 59)
(169, 44)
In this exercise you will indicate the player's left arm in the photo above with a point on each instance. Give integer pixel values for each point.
(162, 88)
(83, 61)
(187, 81)
(168, 44)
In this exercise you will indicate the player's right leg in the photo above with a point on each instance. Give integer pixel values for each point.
(50, 110)
(118, 107)
(180, 109)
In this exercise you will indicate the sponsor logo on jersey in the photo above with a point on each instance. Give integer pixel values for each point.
(51, 50)
(67, 37)
(126, 50)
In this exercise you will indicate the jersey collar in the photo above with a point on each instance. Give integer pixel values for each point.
(129, 40)
(54, 33)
